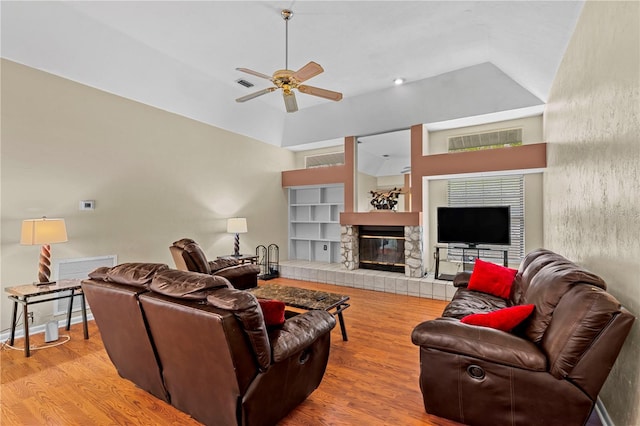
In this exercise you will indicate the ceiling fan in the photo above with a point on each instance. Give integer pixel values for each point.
(288, 80)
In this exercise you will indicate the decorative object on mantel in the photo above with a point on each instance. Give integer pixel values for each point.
(45, 232)
(385, 200)
(237, 225)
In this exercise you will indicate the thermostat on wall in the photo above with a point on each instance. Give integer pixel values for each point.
(87, 205)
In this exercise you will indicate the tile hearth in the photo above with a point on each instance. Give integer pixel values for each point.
(368, 279)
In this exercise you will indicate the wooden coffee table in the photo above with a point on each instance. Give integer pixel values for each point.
(303, 298)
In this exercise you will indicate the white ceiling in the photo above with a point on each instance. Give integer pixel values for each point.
(465, 62)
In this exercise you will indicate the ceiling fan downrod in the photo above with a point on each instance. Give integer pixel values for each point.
(286, 15)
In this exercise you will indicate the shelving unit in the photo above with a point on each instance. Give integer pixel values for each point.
(314, 222)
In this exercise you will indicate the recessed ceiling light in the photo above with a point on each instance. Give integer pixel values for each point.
(398, 81)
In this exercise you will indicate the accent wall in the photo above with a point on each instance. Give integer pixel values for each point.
(592, 183)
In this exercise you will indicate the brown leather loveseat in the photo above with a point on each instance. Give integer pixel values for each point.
(196, 342)
(188, 256)
(546, 371)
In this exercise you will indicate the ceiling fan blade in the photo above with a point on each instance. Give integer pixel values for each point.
(256, 73)
(305, 73)
(290, 102)
(323, 93)
(256, 94)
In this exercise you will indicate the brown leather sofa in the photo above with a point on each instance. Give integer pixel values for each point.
(188, 256)
(547, 371)
(205, 345)
(113, 296)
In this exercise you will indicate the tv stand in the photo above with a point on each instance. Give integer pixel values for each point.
(469, 256)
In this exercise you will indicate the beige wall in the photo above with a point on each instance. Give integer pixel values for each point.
(389, 182)
(592, 186)
(364, 184)
(156, 177)
(437, 189)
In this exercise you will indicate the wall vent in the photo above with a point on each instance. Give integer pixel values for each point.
(324, 160)
(78, 268)
(245, 83)
(501, 138)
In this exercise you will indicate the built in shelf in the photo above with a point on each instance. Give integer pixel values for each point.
(314, 222)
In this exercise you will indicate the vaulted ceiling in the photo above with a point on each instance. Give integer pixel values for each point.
(464, 62)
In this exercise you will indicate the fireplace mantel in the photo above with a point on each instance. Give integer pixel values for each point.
(382, 218)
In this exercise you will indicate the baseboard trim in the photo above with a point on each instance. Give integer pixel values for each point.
(40, 328)
(602, 413)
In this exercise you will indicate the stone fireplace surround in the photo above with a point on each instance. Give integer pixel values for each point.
(413, 253)
(413, 233)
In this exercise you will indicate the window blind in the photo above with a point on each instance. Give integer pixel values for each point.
(493, 191)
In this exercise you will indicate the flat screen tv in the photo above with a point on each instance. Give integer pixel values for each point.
(474, 225)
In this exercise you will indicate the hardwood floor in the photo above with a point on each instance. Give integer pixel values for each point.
(372, 379)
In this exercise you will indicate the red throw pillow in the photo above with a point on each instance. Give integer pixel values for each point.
(505, 319)
(490, 278)
(272, 311)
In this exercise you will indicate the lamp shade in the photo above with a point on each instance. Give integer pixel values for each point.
(43, 231)
(237, 225)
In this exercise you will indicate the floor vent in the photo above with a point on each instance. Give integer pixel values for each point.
(79, 268)
(324, 160)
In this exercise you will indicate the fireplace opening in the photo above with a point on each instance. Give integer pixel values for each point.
(382, 248)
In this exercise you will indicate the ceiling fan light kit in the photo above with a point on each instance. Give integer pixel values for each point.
(290, 102)
(287, 80)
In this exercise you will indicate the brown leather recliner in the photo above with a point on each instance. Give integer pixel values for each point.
(220, 362)
(548, 371)
(217, 359)
(188, 256)
(113, 295)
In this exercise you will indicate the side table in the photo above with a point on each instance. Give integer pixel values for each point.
(243, 258)
(30, 294)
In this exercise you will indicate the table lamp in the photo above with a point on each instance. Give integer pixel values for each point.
(43, 231)
(237, 225)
